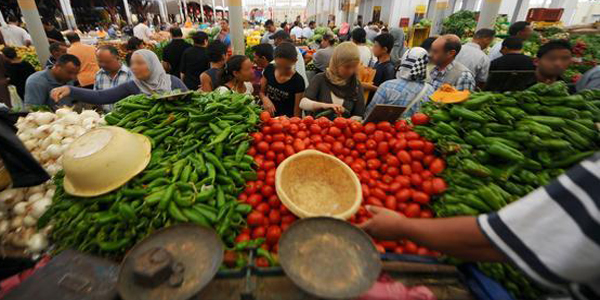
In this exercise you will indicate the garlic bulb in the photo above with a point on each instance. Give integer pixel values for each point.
(35, 197)
(39, 207)
(37, 242)
(29, 221)
(61, 112)
(20, 208)
(16, 222)
(54, 150)
(44, 118)
(89, 114)
(4, 226)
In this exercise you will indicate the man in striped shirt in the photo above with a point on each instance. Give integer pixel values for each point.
(552, 234)
(112, 71)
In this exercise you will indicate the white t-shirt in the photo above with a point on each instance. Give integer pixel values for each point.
(14, 35)
(142, 32)
(366, 56)
(307, 33)
(301, 67)
(249, 89)
(297, 32)
(495, 51)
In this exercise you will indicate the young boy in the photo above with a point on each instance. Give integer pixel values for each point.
(281, 87)
(384, 68)
(263, 56)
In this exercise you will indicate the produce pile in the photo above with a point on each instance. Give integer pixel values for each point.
(500, 147)
(46, 135)
(396, 166)
(461, 23)
(197, 168)
(586, 50)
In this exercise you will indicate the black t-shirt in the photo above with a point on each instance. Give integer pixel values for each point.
(56, 35)
(172, 54)
(512, 61)
(18, 74)
(283, 95)
(194, 61)
(383, 72)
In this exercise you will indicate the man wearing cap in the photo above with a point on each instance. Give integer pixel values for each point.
(282, 36)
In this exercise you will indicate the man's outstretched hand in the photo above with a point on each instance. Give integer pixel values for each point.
(385, 225)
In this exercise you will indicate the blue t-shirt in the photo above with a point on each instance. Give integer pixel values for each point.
(38, 87)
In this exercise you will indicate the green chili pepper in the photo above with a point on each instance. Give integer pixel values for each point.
(243, 208)
(176, 213)
(505, 151)
(215, 161)
(467, 114)
(212, 174)
(195, 217)
(164, 202)
(113, 246)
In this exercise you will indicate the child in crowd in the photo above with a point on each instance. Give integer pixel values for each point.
(384, 68)
(217, 54)
(237, 75)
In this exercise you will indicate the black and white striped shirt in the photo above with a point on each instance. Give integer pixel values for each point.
(553, 234)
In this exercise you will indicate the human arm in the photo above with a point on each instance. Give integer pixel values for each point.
(205, 83)
(107, 96)
(311, 101)
(267, 103)
(297, 110)
(459, 237)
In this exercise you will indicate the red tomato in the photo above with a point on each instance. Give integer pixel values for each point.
(308, 120)
(294, 129)
(251, 151)
(262, 147)
(371, 144)
(267, 191)
(298, 145)
(334, 131)
(270, 155)
(329, 139)
(273, 235)
(323, 147)
(255, 218)
(288, 219)
(373, 164)
(428, 148)
(390, 245)
(315, 129)
(356, 167)
(383, 148)
(288, 140)
(258, 232)
(354, 153)
(356, 126)
(390, 202)
(229, 258)
(274, 201)
(242, 237)
(374, 201)
(276, 128)
(379, 248)
(263, 207)
(278, 147)
(373, 174)
(439, 185)
(410, 247)
(402, 206)
(370, 154)
(406, 170)
(419, 119)
(422, 251)
(393, 171)
(403, 180)
(379, 136)
(280, 158)
(416, 144)
(412, 210)
(265, 116)
(428, 159)
(261, 262)
(366, 191)
(401, 126)
(378, 193)
(411, 135)
(250, 188)
(370, 128)
(315, 139)
(295, 120)
(268, 165)
(348, 160)
(426, 214)
(337, 148)
(274, 216)
(437, 166)
(401, 144)
(285, 122)
(257, 137)
(395, 186)
(399, 250)
(392, 161)
(385, 126)
(323, 122)
(243, 197)
(359, 137)
(289, 150)
(361, 147)
(403, 195)
(404, 157)
(415, 179)
(340, 123)
(254, 200)
(302, 134)
(349, 143)
(426, 174)
(417, 154)
(427, 187)
(416, 167)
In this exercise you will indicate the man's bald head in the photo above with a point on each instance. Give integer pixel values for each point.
(444, 49)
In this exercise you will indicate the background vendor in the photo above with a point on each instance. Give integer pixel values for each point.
(149, 78)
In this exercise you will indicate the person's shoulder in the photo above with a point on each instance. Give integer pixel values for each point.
(37, 76)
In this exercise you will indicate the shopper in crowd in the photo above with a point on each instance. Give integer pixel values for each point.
(447, 70)
(512, 57)
(372, 31)
(309, 31)
(13, 34)
(195, 61)
(296, 32)
(520, 30)
(359, 38)
(142, 31)
(552, 60)
(87, 56)
(54, 36)
(281, 37)
(149, 77)
(426, 44)
(564, 212)
(217, 55)
(39, 85)
(410, 90)
(384, 68)
(17, 70)
(338, 88)
(281, 87)
(112, 71)
(269, 31)
(112, 31)
(224, 35)
(133, 44)
(174, 50)
(471, 54)
(237, 76)
(322, 57)
(590, 80)
(398, 49)
(56, 50)
(263, 55)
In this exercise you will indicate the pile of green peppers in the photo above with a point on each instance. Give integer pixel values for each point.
(198, 166)
(500, 147)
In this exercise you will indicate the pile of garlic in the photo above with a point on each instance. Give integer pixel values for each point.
(46, 135)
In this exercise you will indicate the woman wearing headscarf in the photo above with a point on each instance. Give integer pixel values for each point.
(338, 88)
(149, 77)
(398, 49)
(410, 89)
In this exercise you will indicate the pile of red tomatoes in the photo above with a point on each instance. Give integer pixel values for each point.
(397, 169)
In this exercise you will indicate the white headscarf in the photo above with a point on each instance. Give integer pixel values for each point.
(159, 81)
(414, 64)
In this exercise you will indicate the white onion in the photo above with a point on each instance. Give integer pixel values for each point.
(39, 207)
(36, 189)
(37, 242)
(8, 194)
(54, 150)
(44, 156)
(59, 128)
(61, 112)
(20, 208)
(29, 221)
(71, 119)
(68, 140)
(4, 226)
(56, 137)
(16, 222)
(42, 131)
(44, 117)
(53, 169)
(89, 114)
(22, 236)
